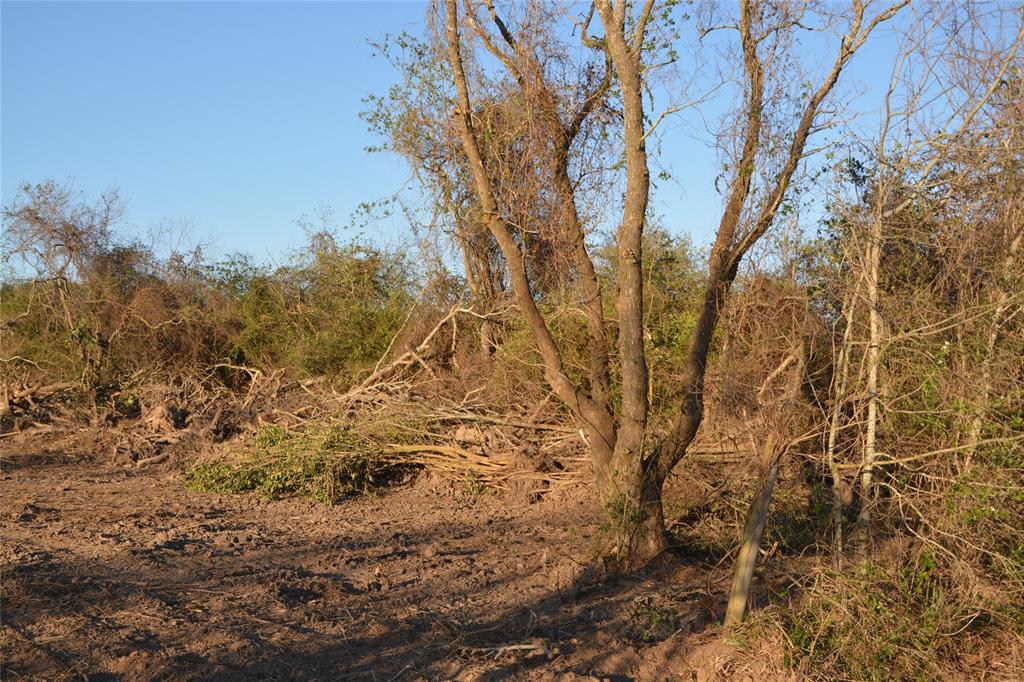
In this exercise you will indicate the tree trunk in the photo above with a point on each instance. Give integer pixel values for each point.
(633, 513)
(985, 389)
(753, 532)
(631, 490)
(839, 386)
(867, 482)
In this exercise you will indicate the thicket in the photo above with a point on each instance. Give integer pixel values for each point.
(84, 305)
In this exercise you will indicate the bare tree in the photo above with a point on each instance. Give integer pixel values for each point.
(904, 175)
(55, 237)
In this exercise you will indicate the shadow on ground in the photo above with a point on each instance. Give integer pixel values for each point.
(119, 577)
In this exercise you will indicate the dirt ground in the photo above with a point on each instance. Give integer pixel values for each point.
(116, 573)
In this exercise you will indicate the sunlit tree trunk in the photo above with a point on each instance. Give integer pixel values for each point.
(873, 259)
(753, 533)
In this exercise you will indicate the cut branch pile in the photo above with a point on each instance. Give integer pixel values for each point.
(464, 438)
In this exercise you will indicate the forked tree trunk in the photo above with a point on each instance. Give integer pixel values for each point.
(629, 468)
(645, 471)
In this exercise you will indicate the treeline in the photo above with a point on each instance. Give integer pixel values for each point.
(83, 304)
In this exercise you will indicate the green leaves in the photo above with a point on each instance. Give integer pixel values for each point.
(323, 464)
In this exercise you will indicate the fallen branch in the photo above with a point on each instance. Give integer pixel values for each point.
(149, 461)
(417, 354)
(405, 359)
(538, 646)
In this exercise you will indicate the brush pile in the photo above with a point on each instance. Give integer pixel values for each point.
(334, 445)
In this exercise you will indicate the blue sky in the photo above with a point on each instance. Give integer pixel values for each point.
(235, 117)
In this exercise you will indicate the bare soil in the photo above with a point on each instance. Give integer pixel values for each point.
(117, 573)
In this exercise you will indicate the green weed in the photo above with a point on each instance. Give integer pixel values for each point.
(653, 623)
(323, 465)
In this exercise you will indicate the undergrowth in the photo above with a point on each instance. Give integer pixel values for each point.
(653, 622)
(884, 621)
(708, 523)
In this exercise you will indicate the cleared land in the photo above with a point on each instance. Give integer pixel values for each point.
(112, 572)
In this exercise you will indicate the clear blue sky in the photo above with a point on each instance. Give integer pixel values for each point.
(239, 117)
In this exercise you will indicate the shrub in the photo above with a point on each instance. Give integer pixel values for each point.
(323, 464)
(884, 621)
